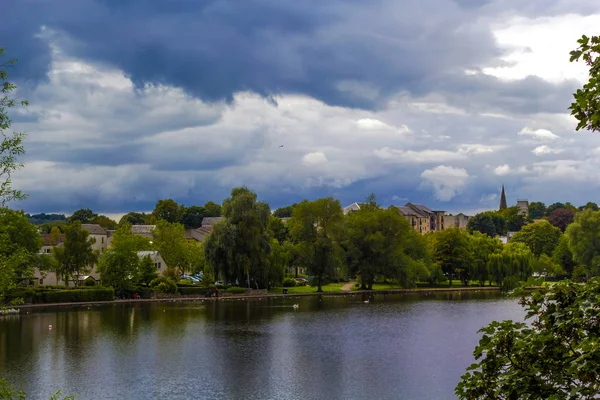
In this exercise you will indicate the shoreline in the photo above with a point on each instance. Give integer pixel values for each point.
(425, 291)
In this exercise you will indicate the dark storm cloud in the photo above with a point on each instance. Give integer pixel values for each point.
(215, 48)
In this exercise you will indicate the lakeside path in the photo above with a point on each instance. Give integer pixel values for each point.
(424, 291)
(347, 287)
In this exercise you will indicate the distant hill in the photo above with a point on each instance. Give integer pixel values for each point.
(38, 219)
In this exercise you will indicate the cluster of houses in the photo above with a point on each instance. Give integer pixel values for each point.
(420, 217)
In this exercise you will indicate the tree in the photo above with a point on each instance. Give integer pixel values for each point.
(168, 210)
(518, 261)
(278, 230)
(105, 222)
(514, 218)
(589, 206)
(562, 256)
(120, 265)
(284, 212)
(489, 222)
(169, 240)
(553, 207)
(583, 236)
(551, 357)
(84, 216)
(135, 218)
(547, 267)
(586, 107)
(76, 255)
(541, 237)
(313, 227)
(147, 271)
(19, 244)
(537, 210)
(377, 242)
(452, 250)
(8, 393)
(212, 209)
(247, 219)
(561, 218)
(482, 247)
(12, 143)
(192, 217)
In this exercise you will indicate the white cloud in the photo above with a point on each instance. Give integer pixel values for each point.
(486, 198)
(541, 134)
(502, 170)
(541, 46)
(315, 158)
(417, 157)
(477, 148)
(447, 181)
(543, 149)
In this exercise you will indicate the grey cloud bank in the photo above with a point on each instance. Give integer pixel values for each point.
(133, 101)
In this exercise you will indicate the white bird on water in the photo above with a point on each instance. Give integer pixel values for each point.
(295, 306)
(366, 301)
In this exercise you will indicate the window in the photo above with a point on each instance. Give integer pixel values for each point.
(41, 281)
(102, 239)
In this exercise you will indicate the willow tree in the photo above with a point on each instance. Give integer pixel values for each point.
(239, 246)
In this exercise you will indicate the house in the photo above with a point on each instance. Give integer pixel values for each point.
(143, 230)
(436, 218)
(207, 221)
(198, 234)
(99, 234)
(49, 241)
(459, 220)
(416, 218)
(351, 207)
(159, 262)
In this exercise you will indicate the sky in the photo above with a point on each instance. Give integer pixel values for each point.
(438, 102)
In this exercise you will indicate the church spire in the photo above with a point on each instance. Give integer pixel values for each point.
(503, 199)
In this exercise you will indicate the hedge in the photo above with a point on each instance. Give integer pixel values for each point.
(236, 290)
(195, 290)
(62, 296)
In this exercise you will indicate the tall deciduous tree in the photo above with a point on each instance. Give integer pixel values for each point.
(105, 222)
(537, 210)
(84, 216)
(553, 207)
(452, 251)
(314, 226)
(76, 256)
(561, 218)
(192, 217)
(378, 243)
(514, 217)
(120, 266)
(19, 243)
(135, 218)
(590, 205)
(586, 107)
(541, 237)
(284, 212)
(562, 256)
(583, 236)
(490, 222)
(168, 210)
(169, 240)
(212, 209)
(11, 146)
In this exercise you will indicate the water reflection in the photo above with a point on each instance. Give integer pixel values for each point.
(394, 346)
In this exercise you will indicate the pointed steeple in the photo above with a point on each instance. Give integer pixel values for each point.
(503, 199)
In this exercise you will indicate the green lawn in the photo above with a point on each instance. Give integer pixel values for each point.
(331, 288)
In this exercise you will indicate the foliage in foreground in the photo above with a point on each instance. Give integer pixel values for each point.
(555, 356)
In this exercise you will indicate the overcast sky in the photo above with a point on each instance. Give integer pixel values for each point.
(430, 101)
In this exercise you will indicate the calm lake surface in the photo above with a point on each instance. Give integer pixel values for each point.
(394, 347)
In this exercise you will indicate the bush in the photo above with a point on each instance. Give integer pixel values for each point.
(68, 296)
(236, 290)
(163, 285)
(195, 289)
(289, 282)
(89, 282)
